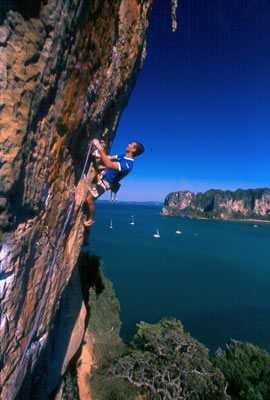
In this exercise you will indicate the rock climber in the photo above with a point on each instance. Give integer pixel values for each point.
(117, 167)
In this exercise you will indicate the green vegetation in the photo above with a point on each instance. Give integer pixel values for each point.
(70, 391)
(247, 371)
(163, 362)
(104, 322)
(106, 387)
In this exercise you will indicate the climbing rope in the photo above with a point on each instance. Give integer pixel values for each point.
(34, 330)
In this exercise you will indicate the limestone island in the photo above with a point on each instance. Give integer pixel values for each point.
(250, 204)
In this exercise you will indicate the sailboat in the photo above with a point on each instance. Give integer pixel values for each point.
(132, 220)
(156, 235)
(178, 232)
(111, 225)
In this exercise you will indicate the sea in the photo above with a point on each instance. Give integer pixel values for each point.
(214, 276)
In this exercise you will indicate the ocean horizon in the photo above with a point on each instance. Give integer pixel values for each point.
(214, 276)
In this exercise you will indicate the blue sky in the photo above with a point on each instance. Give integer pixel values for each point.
(201, 104)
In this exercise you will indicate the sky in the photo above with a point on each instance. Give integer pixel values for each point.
(201, 104)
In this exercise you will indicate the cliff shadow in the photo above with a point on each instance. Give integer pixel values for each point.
(42, 383)
(27, 8)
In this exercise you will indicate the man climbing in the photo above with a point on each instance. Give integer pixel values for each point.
(117, 168)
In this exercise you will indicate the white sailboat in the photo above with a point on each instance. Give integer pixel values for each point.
(178, 232)
(132, 220)
(156, 235)
(111, 225)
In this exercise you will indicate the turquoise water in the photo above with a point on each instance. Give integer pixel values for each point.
(217, 282)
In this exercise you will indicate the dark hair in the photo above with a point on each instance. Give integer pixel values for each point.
(139, 149)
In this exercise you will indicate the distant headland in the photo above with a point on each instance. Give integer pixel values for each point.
(250, 204)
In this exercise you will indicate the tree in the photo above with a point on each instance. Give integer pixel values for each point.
(168, 364)
(247, 370)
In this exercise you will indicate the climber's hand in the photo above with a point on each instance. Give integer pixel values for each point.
(97, 144)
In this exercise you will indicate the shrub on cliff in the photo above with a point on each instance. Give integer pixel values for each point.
(70, 391)
(163, 362)
(104, 324)
(104, 387)
(247, 371)
(104, 309)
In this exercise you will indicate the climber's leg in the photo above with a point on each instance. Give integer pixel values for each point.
(91, 206)
(95, 191)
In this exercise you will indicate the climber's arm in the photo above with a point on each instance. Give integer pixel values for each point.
(113, 158)
(106, 159)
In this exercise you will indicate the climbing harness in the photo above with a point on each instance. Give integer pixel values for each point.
(115, 187)
(34, 330)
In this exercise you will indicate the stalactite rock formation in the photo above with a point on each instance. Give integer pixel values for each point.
(67, 68)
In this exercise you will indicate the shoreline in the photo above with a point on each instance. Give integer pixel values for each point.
(264, 221)
(247, 220)
(236, 220)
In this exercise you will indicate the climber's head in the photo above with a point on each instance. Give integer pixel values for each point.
(135, 149)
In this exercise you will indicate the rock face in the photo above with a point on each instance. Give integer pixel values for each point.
(67, 68)
(218, 204)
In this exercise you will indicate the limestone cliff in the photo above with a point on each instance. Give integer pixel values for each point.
(219, 204)
(67, 68)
